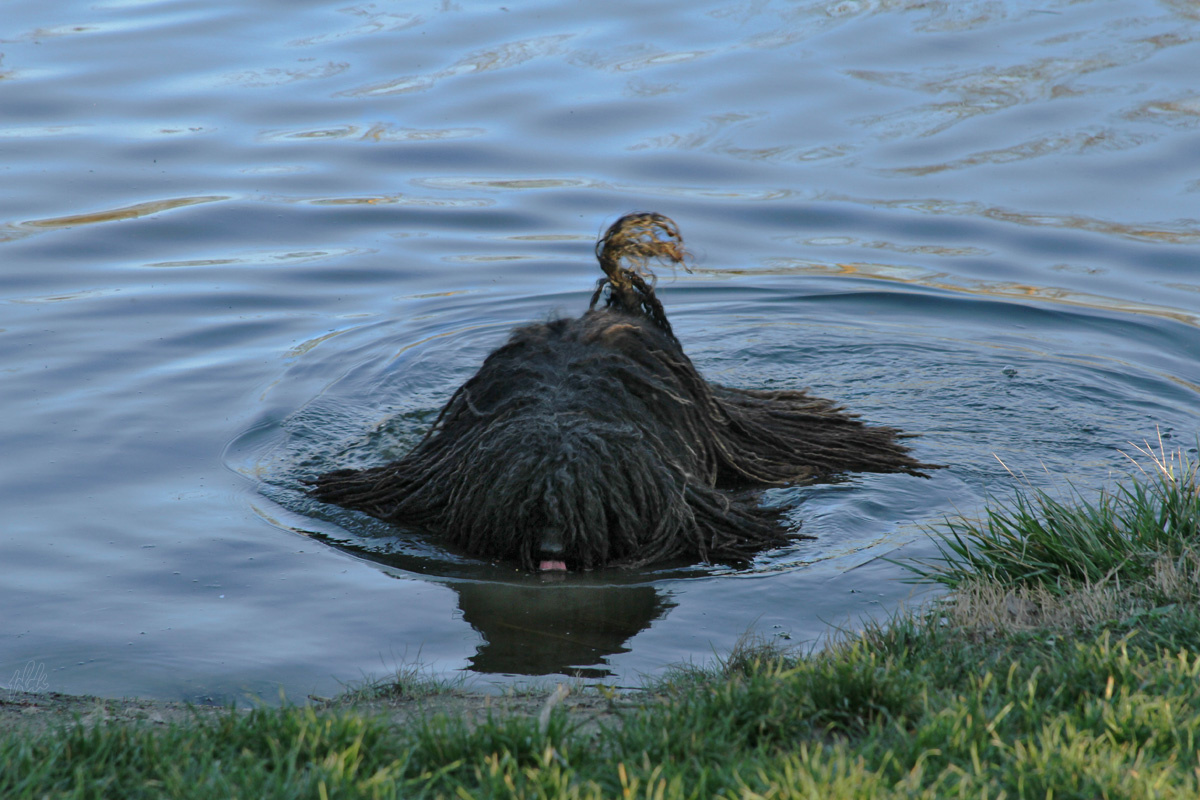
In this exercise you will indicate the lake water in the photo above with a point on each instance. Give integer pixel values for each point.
(243, 241)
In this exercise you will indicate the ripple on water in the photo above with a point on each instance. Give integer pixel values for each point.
(1020, 390)
(965, 219)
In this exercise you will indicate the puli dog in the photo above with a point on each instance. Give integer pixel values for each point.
(592, 442)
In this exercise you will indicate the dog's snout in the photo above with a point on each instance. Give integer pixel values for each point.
(551, 543)
(550, 551)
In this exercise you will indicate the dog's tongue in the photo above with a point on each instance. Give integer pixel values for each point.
(552, 566)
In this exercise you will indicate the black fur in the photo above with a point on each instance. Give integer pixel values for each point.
(594, 441)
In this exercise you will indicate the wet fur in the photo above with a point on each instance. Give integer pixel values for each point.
(595, 440)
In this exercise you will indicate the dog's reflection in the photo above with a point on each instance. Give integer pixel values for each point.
(532, 629)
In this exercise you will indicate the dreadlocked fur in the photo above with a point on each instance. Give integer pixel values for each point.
(594, 441)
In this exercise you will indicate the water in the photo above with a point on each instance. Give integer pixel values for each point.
(241, 240)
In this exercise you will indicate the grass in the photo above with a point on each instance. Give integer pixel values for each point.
(909, 710)
(408, 682)
(1050, 670)
(1038, 540)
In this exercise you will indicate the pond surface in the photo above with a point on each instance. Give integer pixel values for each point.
(242, 241)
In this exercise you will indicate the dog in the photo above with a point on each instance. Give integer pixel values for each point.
(593, 441)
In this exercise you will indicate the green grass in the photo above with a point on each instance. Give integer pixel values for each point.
(1060, 545)
(1069, 677)
(912, 709)
(409, 682)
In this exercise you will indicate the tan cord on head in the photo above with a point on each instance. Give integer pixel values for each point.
(634, 240)
(639, 238)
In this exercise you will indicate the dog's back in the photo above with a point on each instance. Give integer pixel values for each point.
(575, 445)
(594, 441)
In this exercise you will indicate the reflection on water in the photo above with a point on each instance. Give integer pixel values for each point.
(976, 221)
(996, 289)
(544, 630)
(1181, 232)
(111, 215)
(504, 56)
(379, 132)
(528, 624)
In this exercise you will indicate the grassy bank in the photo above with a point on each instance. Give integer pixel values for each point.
(1053, 668)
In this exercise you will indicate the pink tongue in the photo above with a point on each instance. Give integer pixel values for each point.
(552, 566)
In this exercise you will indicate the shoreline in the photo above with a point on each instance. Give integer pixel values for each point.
(1064, 661)
(586, 704)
